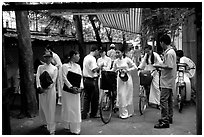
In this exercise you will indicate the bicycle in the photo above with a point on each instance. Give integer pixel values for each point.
(107, 102)
(145, 80)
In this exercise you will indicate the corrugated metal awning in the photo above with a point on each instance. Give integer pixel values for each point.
(129, 21)
(44, 38)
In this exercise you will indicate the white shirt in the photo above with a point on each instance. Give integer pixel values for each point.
(51, 69)
(190, 64)
(105, 61)
(89, 64)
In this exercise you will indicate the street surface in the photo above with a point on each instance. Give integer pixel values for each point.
(183, 123)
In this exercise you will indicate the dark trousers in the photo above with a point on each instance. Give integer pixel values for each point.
(166, 102)
(91, 97)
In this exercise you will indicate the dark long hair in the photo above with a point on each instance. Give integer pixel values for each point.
(50, 47)
(152, 57)
(123, 50)
(71, 54)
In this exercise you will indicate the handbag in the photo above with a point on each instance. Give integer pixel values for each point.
(145, 78)
(75, 80)
(123, 76)
(108, 80)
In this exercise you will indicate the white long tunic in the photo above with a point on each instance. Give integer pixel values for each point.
(47, 100)
(154, 96)
(71, 106)
(125, 89)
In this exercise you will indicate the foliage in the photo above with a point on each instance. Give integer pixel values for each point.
(88, 31)
(55, 22)
(163, 20)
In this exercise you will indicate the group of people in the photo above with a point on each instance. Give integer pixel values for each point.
(70, 112)
(163, 84)
(115, 60)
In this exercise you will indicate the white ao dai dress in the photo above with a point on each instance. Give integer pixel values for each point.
(71, 106)
(47, 100)
(125, 89)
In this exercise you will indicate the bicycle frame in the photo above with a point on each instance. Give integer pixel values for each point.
(143, 100)
(107, 99)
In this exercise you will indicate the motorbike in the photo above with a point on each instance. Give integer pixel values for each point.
(181, 85)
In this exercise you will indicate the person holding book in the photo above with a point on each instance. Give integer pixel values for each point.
(71, 106)
(167, 82)
(46, 79)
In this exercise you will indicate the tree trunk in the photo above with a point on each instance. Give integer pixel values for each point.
(109, 35)
(95, 29)
(28, 93)
(79, 30)
(4, 66)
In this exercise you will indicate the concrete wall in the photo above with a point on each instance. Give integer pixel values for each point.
(189, 43)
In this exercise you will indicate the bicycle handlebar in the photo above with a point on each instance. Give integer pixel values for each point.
(151, 71)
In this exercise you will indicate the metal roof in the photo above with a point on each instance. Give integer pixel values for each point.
(128, 20)
(43, 38)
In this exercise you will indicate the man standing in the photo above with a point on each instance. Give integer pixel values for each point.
(167, 82)
(90, 74)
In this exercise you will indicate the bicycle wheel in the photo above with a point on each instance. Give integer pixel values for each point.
(106, 107)
(180, 106)
(142, 101)
(181, 98)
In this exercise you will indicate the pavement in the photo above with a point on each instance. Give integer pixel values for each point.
(183, 123)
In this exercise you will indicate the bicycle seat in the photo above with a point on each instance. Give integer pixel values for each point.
(181, 66)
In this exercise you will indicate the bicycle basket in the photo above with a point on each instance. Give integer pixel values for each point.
(108, 80)
(145, 78)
